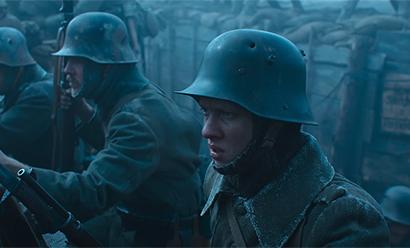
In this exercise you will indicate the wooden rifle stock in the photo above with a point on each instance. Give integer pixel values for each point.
(63, 120)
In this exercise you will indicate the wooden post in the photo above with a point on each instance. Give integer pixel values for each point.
(195, 37)
(347, 150)
(310, 62)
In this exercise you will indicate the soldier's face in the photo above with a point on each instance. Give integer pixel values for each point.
(228, 128)
(74, 71)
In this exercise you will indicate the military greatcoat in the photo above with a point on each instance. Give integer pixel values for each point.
(305, 204)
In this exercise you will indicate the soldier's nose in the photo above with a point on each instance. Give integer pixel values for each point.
(211, 129)
(68, 68)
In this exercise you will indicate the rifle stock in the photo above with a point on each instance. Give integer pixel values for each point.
(47, 211)
(63, 120)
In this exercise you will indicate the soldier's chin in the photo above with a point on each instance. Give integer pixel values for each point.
(220, 163)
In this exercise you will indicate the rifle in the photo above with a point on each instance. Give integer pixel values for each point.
(63, 120)
(47, 211)
(13, 217)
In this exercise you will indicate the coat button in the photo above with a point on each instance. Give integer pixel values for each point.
(240, 209)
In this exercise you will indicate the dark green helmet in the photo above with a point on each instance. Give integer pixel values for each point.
(261, 71)
(100, 37)
(13, 48)
(396, 204)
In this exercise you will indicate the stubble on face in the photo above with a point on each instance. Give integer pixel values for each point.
(74, 71)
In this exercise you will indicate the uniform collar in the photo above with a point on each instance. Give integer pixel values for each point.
(277, 209)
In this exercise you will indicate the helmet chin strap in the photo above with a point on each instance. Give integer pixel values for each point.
(256, 147)
(233, 167)
(15, 84)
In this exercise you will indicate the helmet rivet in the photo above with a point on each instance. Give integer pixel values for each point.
(271, 59)
(268, 80)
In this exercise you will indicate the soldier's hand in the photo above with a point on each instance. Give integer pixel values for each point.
(66, 100)
(4, 159)
(10, 163)
(79, 106)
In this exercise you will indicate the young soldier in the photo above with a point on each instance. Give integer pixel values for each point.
(270, 184)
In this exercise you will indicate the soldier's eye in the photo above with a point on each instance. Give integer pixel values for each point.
(204, 112)
(227, 115)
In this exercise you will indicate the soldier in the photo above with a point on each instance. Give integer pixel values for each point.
(402, 8)
(269, 184)
(140, 22)
(396, 210)
(7, 19)
(146, 168)
(25, 124)
(41, 20)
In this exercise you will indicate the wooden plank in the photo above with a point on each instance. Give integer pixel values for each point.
(396, 45)
(329, 54)
(376, 62)
(184, 31)
(395, 126)
(395, 116)
(339, 56)
(399, 67)
(397, 77)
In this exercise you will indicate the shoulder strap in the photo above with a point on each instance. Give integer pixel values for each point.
(234, 225)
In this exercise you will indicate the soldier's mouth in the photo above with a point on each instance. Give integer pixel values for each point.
(215, 152)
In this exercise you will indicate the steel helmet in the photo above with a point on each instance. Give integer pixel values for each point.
(261, 71)
(100, 37)
(13, 48)
(396, 204)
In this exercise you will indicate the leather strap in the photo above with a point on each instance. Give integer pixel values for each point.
(234, 225)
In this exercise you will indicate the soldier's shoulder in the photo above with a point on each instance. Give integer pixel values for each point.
(44, 86)
(343, 200)
(350, 189)
(351, 214)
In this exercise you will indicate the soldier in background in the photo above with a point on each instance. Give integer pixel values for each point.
(396, 209)
(144, 181)
(7, 19)
(25, 121)
(41, 20)
(140, 22)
